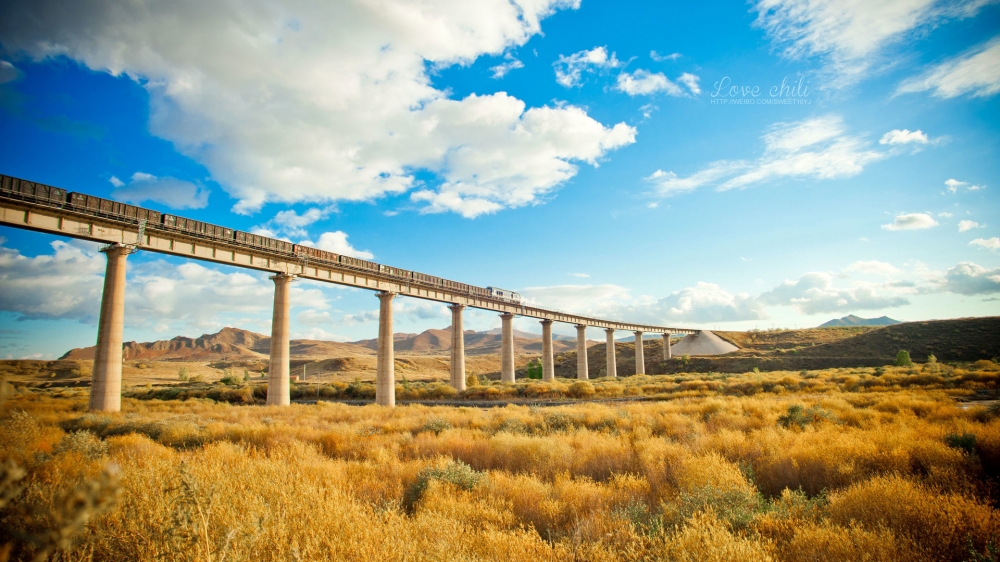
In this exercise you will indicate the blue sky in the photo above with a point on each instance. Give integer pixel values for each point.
(632, 160)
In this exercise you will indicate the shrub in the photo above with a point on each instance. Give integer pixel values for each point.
(437, 425)
(182, 373)
(903, 359)
(471, 380)
(455, 472)
(534, 369)
(581, 389)
(965, 441)
(800, 417)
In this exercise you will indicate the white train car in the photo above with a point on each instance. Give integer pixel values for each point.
(504, 294)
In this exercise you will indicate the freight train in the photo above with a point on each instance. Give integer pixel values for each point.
(91, 205)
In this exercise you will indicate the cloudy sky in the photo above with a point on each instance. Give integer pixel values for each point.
(708, 165)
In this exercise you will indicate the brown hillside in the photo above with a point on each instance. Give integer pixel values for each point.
(434, 341)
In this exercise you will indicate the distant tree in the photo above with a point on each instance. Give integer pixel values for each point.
(182, 373)
(246, 375)
(903, 359)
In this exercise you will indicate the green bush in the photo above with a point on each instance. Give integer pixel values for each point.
(455, 472)
(903, 359)
(799, 416)
(964, 441)
(534, 369)
(182, 373)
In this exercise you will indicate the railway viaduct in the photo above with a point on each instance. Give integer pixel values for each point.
(122, 235)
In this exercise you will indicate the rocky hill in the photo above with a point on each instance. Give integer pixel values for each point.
(852, 320)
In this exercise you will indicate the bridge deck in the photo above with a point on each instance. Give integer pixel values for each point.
(91, 225)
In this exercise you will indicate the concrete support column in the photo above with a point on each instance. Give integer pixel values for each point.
(277, 374)
(385, 369)
(640, 357)
(612, 364)
(666, 347)
(548, 364)
(106, 380)
(581, 353)
(507, 347)
(457, 348)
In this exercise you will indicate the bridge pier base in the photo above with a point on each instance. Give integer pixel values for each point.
(640, 357)
(548, 366)
(457, 348)
(612, 364)
(506, 347)
(666, 347)
(106, 380)
(385, 370)
(581, 353)
(278, 385)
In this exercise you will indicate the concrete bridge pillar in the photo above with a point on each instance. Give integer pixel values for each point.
(277, 374)
(457, 348)
(385, 369)
(666, 347)
(640, 357)
(581, 353)
(106, 380)
(548, 366)
(612, 364)
(507, 347)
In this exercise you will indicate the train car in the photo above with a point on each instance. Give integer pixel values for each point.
(426, 279)
(394, 271)
(313, 254)
(32, 190)
(198, 227)
(264, 243)
(503, 294)
(359, 263)
(111, 208)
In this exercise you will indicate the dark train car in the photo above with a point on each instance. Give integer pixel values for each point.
(111, 208)
(264, 243)
(426, 279)
(198, 227)
(359, 263)
(32, 190)
(314, 254)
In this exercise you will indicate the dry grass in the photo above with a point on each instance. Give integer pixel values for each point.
(836, 470)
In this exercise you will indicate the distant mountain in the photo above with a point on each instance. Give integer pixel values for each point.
(476, 343)
(228, 344)
(852, 320)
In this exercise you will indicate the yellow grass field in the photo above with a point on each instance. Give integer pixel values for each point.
(831, 467)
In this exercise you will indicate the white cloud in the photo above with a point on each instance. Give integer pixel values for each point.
(501, 70)
(8, 72)
(911, 221)
(584, 275)
(968, 225)
(975, 72)
(291, 101)
(954, 185)
(570, 69)
(68, 284)
(816, 148)
(691, 81)
(945, 214)
(290, 223)
(992, 244)
(814, 293)
(516, 164)
(360, 318)
(172, 192)
(660, 58)
(581, 299)
(850, 36)
(903, 136)
(706, 302)
(337, 243)
(971, 279)
(65, 284)
(872, 266)
(644, 83)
